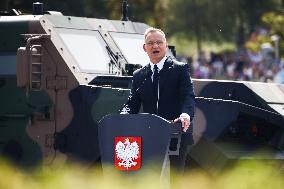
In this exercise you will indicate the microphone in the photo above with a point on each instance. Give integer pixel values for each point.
(125, 109)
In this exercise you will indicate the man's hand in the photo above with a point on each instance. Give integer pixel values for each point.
(185, 122)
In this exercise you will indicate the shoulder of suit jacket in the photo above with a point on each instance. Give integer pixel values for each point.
(177, 63)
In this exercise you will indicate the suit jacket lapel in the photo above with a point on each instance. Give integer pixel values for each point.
(148, 83)
(148, 74)
(164, 73)
(146, 71)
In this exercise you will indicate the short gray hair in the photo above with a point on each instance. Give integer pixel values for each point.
(152, 30)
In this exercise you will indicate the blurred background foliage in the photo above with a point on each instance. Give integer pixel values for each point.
(210, 35)
(199, 21)
(243, 175)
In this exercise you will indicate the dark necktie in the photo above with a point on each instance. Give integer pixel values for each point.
(156, 82)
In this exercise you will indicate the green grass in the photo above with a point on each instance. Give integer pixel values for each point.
(253, 175)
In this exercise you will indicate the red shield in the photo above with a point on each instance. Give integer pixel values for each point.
(127, 153)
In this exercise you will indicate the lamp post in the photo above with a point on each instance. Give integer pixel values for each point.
(124, 11)
(275, 38)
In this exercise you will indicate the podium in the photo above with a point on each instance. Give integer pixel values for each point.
(136, 141)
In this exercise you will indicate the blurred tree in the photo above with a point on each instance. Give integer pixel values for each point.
(227, 20)
(23, 6)
(275, 21)
(203, 19)
(3, 5)
(70, 7)
(153, 12)
(252, 10)
(97, 8)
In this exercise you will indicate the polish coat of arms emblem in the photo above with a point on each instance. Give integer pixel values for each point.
(127, 152)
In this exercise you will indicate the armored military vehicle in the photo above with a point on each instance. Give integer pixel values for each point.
(59, 75)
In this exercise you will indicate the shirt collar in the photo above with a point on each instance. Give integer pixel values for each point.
(159, 64)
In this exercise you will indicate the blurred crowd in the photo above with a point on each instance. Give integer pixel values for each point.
(246, 64)
(241, 66)
(236, 66)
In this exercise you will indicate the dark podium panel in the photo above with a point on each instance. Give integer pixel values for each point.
(155, 133)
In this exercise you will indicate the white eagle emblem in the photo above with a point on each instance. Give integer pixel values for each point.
(127, 152)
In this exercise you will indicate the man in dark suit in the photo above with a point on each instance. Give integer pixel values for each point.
(163, 87)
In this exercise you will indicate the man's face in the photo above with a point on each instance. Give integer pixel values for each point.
(155, 46)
